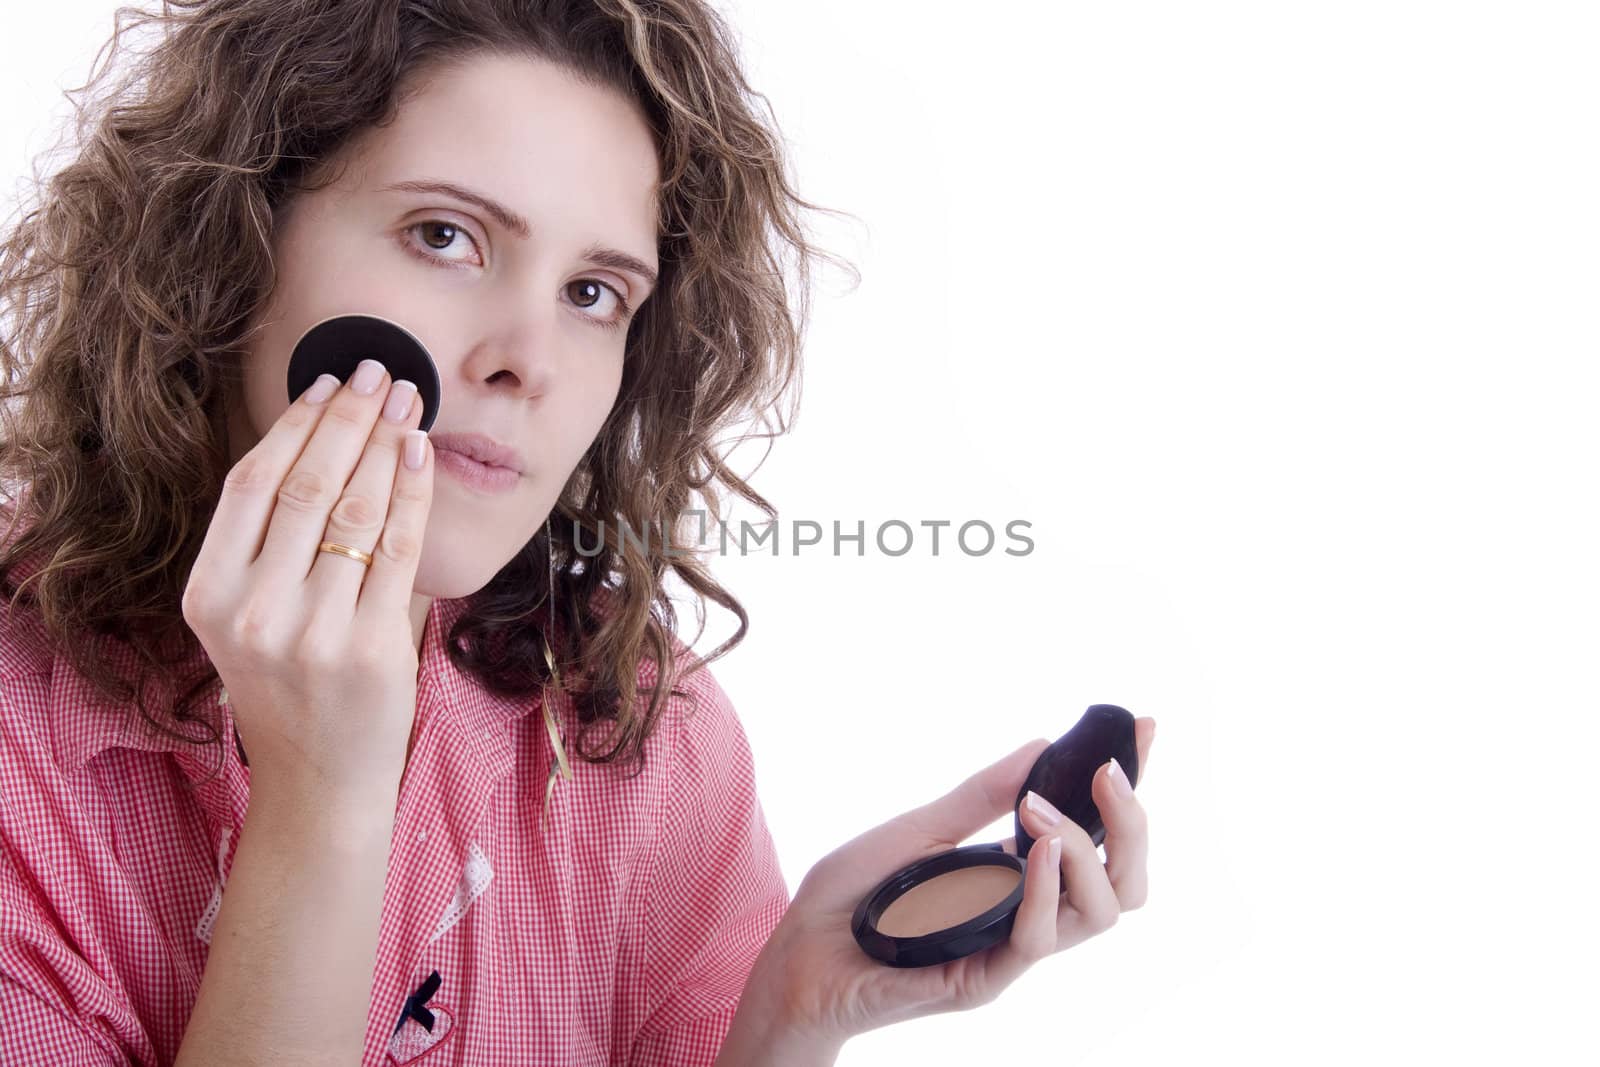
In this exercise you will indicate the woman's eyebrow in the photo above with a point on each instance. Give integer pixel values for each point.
(604, 257)
(611, 257)
(498, 211)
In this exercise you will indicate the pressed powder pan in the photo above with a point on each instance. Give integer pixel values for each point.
(965, 899)
(337, 345)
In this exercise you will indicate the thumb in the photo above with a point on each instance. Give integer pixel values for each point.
(937, 825)
(981, 799)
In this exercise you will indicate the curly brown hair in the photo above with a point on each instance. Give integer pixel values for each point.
(129, 288)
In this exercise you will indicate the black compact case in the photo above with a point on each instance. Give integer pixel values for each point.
(337, 345)
(1063, 774)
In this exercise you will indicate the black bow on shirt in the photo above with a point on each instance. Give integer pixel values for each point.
(414, 1004)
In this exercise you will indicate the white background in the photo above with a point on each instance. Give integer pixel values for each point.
(1278, 323)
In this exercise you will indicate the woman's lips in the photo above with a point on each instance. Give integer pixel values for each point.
(475, 475)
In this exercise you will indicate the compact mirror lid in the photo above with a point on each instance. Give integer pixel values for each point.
(338, 344)
(1064, 772)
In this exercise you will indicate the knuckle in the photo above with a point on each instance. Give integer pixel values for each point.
(246, 477)
(303, 490)
(360, 661)
(1035, 948)
(199, 615)
(195, 605)
(298, 416)
(316, 652)
(356, 511)
(978, 994)
(399, 544)
(1074, 838)
(411, 491)
(349, 415)
(252, 627)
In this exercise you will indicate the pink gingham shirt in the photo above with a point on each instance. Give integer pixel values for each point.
(621, 932)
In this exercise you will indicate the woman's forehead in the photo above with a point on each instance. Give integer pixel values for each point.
(561, 153)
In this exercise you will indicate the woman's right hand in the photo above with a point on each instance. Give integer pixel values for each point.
(316, 650)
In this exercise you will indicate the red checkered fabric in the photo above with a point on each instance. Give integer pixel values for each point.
(620, 931)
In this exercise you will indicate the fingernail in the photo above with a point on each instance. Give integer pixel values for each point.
(1119, 781)
(321, 389)
(399, 403)
(1055, 852)
(368, 374)
(1043, 808)
(415, 440)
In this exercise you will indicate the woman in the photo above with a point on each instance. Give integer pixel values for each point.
(288, 702)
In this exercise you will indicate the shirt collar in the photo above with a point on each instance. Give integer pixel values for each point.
(84, 722)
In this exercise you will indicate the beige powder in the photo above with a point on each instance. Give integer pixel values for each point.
(947, 900)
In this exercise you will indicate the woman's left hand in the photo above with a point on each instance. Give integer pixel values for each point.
(814, 974)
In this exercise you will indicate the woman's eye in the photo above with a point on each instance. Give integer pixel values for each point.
(438, 236)
(589, 292)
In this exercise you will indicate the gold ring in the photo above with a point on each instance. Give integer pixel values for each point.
(346, 550)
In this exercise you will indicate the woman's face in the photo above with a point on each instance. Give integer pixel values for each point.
(527, 328)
